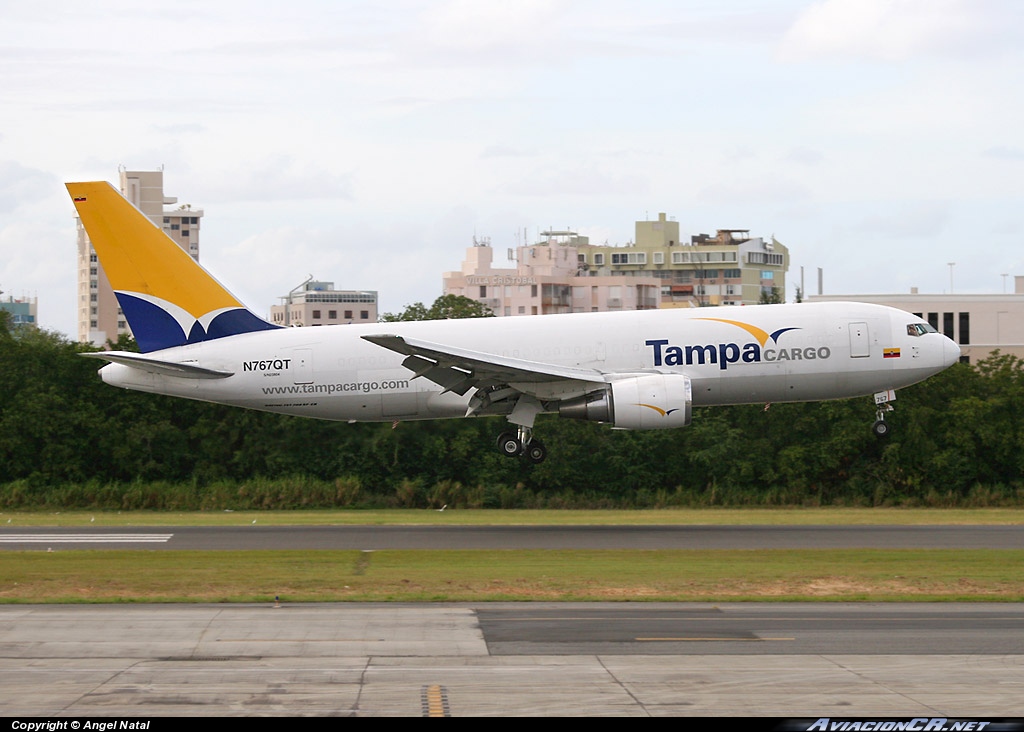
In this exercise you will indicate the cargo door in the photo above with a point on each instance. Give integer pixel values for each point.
(860, 346)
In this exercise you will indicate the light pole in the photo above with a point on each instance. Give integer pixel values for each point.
(951, 265)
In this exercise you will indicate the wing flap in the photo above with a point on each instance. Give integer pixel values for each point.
(451, 378)
(460, 369)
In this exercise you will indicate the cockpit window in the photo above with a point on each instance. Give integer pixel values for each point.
(919, 329)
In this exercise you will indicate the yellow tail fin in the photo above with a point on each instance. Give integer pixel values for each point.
(166, 296)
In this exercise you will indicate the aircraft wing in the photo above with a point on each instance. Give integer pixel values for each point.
(459, 370)
(156, 366)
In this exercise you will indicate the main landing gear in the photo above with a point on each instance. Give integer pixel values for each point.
(882, 406)
(522, 444)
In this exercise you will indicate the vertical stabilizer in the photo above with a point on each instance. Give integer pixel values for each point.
(167, 298)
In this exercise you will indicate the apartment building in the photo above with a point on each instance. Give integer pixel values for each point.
(547, 278)
(317, 303)
(730, 267)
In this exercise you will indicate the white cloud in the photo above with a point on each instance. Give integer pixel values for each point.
(805, 156)
(505, 151)
(754, 191)
(490, 24)
(925, 219)
(20, 185)
(1004, 152)
(279, 177)
(366, 143)
(580, 179)
(884, 30)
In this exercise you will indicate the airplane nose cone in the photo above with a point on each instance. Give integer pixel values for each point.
(950, 352)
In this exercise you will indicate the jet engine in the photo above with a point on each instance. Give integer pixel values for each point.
(641, 402)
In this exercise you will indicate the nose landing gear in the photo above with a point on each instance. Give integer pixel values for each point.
(882, 406)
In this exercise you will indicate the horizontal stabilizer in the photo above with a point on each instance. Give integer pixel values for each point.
(156, 366)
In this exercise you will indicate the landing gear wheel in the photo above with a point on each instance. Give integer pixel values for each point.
(509, 445)
(536, 452)
(883, 405)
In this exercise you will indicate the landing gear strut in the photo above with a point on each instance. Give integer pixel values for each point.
(522, 444)
(882, 406)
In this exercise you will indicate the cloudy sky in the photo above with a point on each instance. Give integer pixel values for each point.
(368, 142)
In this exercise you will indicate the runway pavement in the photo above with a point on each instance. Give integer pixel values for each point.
(529, 659)
(524, 659)
(252, 537)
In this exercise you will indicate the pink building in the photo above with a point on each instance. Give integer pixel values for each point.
(548, 278)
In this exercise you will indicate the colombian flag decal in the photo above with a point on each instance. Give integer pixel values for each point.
(890, 353)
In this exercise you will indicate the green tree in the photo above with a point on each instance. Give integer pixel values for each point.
(124, 342)
(446, 307)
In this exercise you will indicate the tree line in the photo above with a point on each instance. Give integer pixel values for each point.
(68, 439)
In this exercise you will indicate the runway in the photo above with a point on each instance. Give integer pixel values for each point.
(513, 659)
(252, 537)
(528, 659)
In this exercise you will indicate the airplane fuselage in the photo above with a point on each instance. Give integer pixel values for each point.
(739, 355)
(634, 370)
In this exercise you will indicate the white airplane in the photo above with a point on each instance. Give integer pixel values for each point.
(633, 370)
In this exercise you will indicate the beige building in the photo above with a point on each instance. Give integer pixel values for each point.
(547, 278)
(729, 268)
(99, 316)
(979, 323)
(318, 303)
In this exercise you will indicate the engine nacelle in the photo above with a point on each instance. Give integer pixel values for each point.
(644, 402)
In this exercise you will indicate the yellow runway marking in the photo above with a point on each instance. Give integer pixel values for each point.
(435, 701)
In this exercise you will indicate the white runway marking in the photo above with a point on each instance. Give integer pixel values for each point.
(85, 538)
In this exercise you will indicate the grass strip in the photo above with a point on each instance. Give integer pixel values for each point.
(474, 576)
